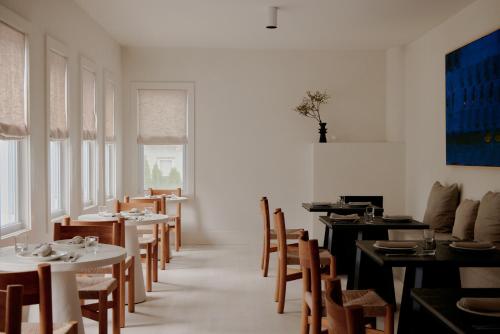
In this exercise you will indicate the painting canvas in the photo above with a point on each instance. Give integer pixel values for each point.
(473, 103)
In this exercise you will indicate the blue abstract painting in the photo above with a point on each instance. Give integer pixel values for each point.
(473, 103)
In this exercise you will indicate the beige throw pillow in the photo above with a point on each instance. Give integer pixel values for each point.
(487, 227)
(465, 217)
(441, 207)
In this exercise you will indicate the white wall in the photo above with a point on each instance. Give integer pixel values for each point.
(249, 142)
(394, 94)
(425, 107)
(66, 22)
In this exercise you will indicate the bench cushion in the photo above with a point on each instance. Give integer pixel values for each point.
(441, 207)
(465, 217)
(487, 227)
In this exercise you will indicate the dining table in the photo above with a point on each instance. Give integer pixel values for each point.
(441, 270)
(343, 235)
(440, 308)
(132, 242)
(65, 301)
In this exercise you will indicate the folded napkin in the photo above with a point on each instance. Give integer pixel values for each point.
(336, 216)
(481, 304)
(42, 251)
(76, 240)
(472, 244)
(398, 217)
(395, 244)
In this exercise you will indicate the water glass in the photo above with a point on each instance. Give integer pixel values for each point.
(21, 243)
(429, 242)
(146, 193)
(148, 210)
(92, 244)
(369, 214)
(341, 201)
(102, 210)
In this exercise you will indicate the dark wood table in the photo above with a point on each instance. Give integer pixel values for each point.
(345, 209)
(341, 238)
(438, 308)
(438, 271)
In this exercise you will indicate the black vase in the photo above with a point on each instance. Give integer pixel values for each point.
(322, 132)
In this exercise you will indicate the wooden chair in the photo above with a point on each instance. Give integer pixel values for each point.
(97, 288)
(270, 235)
(289, 255)
(127, 272)
(149, 241)
(175, 219)
(350, 319)
(29, 288)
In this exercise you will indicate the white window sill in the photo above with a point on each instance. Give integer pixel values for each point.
(56, 218)
(13, 234)
(91, 207)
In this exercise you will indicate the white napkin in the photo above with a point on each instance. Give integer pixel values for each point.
(76, 240)
(42, 251)
(336, 216)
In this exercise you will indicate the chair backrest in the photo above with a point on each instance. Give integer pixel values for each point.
(311, 275)
(264, 210)
(36, 289)
(342, 320)
(120, 224)
(127, 204)
(280, 230)
(11, 308)
(375, 200)
(177, 192)
(158, 204)
(108, 234)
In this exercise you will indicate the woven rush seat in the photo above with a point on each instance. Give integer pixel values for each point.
(293, 256)
(291, 233)
(86, 284)
(34, 328)
(146, 239)
(373, 305)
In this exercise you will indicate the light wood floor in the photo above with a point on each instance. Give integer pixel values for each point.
(214, 290)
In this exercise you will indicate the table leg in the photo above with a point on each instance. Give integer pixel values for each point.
(326, 240)
(133, 249)
(65, 301)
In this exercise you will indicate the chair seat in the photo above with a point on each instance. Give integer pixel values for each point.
(101, 270)
(291, 233)
(88, 284)
(143, 240)
(34, 328)
(293, 256)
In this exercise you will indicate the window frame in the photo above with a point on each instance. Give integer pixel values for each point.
(188, 187)
(109, 77)
(53, 45)
(87, 64)
(24, 185)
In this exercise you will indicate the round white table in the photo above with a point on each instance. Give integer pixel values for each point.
(169, 199)
(132, 244)
(65, 301)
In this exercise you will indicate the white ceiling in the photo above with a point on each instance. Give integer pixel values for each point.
(303, 24)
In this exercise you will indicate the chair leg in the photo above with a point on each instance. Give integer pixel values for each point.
(266, 261)
(117, 301)
(131, 286)
(282, 288)
(163, 255)
(263, 254)
(167, 244)
(305, 319)
(177, 234)
(155, 262)
(102, 313)
(277, 290)
(149, 262)
(315, 325)
(121, 299)
(389, 320)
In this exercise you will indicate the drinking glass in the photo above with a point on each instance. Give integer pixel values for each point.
(102, 210)
(92, 244)
(369, 214)
(148, 210)
(342, 201)
(147, 194)
(21, 243)
(429, 242)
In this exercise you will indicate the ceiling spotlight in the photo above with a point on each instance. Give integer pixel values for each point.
(273, 18)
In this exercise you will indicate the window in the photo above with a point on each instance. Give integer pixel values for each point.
(110, 145)
(14, 131)
(89, 134)
(165, 114)
(57, 82)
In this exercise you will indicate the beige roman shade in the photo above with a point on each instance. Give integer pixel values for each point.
(109, 105)
(162, 116)
(13, 120)
(57, 98)
(88, 105)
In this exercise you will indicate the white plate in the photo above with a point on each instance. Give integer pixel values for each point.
(54, 256)
(395, 248)
(359, 203)
(132, 214)
(344, 219)
(66, 244)
(487, 314)
(473, 249)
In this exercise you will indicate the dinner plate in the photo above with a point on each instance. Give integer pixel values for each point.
(487, 314)
(473, 249)
(359, 204)
(67, 244)
(132, 214)
(56, 254)
(395, 249)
